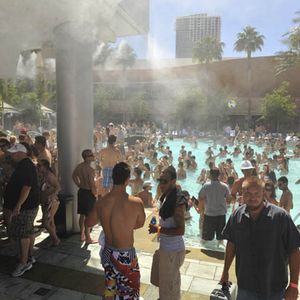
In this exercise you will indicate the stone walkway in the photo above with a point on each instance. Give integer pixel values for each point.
(73, 271)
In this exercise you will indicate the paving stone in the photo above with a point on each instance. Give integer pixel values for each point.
(49, 257)
(207, 263)
(91, 297)
(145, 261)
(218, 273)
(13, 286)
(186, 281)
(184, 267)
(203, 271)
(191, 260)
(93, 266)
(74, 262)
(202, 286)
(29, 291)
(63, 294)
(145, 275)
(151, 293)
(6, 297)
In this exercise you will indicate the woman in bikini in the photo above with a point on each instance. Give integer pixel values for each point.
(49, 190)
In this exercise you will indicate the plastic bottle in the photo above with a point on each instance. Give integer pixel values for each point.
(153, 221)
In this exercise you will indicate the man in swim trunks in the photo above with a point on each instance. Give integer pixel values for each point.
(108, 157)
(84, 177)
(119, 214)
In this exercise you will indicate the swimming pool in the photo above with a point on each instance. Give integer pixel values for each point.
(192, 234)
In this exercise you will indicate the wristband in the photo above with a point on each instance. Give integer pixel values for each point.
(293, 285)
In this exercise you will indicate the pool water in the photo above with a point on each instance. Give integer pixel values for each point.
(192, 234)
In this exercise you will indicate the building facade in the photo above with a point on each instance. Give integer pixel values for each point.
(194, 28)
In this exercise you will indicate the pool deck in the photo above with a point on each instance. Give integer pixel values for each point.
(73, 271)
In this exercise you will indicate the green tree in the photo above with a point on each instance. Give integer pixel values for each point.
(249, 41)
(279, 107)
(291, 57)
(105, 51)
(102, 98)
(190, 108)
(216, 108)
(31, 107)
(139, 108)
(207, 50)
(125, 56)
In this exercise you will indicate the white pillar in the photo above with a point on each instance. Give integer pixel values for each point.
(74, 82)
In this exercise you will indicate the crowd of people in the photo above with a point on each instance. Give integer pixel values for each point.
(106, 174)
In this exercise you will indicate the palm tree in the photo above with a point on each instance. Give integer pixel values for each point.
(104, 51)
(125, 56)
(249, 41)
(207, 50)
(290, 58)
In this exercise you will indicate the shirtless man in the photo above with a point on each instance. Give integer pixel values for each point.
(236, 191)
(286, 199)
(84, 177)
(108, 158)
(119, 215)
(41, 145)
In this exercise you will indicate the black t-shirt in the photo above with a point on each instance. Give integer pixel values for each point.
(25, 174)
(262, 248)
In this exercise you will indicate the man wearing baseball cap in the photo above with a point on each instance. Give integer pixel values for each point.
(22, 198)
(247, 169)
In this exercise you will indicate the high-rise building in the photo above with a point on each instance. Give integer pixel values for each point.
(192, 29)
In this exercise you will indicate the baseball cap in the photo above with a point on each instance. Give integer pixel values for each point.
(17, 148)
(147, 184)
(246, 165)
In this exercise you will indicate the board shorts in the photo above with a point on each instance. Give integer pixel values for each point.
(213, 225)
(122, 273)
(22, 225)
(86, 201)
(107, 178)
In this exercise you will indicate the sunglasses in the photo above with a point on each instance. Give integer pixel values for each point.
(163, 181)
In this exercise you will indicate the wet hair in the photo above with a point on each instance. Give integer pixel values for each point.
(41, 140)
(120, 173)
(85, 153)
(147, 166)
(171, 172)
(283, 179)
(111, 139)
(214, 173)
(211, 165)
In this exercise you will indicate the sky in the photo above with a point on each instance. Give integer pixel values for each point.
(272, 18)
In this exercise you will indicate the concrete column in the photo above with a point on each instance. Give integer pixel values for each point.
(74, 82)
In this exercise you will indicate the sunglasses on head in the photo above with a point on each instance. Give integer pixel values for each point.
(163, 181)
